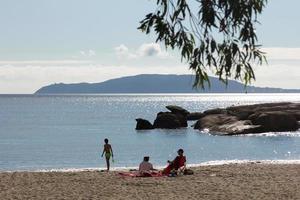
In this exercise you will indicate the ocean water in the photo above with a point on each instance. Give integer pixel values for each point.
(66, 131)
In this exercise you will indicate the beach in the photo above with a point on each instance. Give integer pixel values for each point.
(229, 181)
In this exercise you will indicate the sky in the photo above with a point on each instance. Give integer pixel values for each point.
(52, 41)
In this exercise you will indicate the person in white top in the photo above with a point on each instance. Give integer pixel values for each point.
(145, 166)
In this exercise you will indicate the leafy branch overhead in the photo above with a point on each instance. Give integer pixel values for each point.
(212, 35)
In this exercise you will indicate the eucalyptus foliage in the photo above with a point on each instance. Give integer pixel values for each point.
(217, 35)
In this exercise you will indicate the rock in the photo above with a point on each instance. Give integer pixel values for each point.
(234, 120)
(239, 127)
(275, 121)
(241, 115)
(142, 124)
(214, 120)
(222, 124)
(167, 120)
(262, 106)
(195, 116)
(177, 110)
(215, 111)
(182, 119)
(296, 114)
(247, 110)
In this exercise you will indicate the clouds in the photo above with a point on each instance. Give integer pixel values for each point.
(23, 63)
(280, 75)
(279, 53)
(84, 54)
(152, 49)
(28, 79)
(122, 51)
(29, 75)
(143, 51)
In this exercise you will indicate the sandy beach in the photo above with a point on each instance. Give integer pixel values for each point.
(233, 181)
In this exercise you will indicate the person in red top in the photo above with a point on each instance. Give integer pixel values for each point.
(177, 164)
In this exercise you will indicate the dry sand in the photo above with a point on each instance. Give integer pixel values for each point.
(234, 181)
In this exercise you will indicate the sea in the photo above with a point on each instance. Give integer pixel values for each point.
(66, 132)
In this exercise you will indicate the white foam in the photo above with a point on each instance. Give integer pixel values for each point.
(278, 134)
(228, 162)
(208, 163)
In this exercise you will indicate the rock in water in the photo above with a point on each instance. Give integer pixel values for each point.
(234, 120)
(182, 119)
(215, 111)
(177, 110)
(210, 121)
(167, 120)
(222, 124)
(275, 121)
(257, 118)
(195, 116)
(142, 124)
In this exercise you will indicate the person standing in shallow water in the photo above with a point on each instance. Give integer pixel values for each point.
(107, 150)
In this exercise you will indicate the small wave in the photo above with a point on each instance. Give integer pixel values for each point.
(208, 163)
(276, 134)
(228, 162)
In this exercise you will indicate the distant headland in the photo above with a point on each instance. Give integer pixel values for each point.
(156, 83)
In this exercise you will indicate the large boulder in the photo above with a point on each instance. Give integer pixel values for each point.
(242, 114)
(244, 111)
(223, 124)
(257, 118)
(263, 107)
(239, 127)
(142, 124)
(213, 121)
(177, 110)
(244, 119)
(195, 116)
(296, 114)
(182, 119)
(275, 121)
(215, 111)
(167, 120)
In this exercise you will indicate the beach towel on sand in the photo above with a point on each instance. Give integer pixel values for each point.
(138, 174)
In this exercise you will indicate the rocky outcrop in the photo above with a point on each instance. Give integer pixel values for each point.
(142, 124)
(177, 110)
(234, 120)
(223, 124)
(257, 118)
(195, 116)
(275, 121)
(215, 111)
(177, 118)
(168, 120)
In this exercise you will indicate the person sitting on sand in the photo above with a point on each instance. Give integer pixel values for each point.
(145, 166)
(178, 164)
(107, 149)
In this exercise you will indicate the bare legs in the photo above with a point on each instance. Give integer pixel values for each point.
(107, 164)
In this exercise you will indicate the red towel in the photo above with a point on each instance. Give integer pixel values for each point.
(138, 174)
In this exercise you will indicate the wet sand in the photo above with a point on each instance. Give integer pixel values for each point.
(233, 181)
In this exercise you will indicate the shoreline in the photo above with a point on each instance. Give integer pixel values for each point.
(207, 163)
(228, 181)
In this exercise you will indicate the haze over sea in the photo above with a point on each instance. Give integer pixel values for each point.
(67, 131)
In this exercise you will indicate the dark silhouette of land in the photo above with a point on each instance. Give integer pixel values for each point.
(156, 83)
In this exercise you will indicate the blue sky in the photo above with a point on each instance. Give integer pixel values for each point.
(48, 41)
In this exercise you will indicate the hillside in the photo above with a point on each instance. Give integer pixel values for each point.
(155, 83)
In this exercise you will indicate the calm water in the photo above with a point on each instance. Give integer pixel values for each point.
(46, 132)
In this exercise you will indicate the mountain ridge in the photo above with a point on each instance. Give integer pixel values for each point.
(156, 83)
